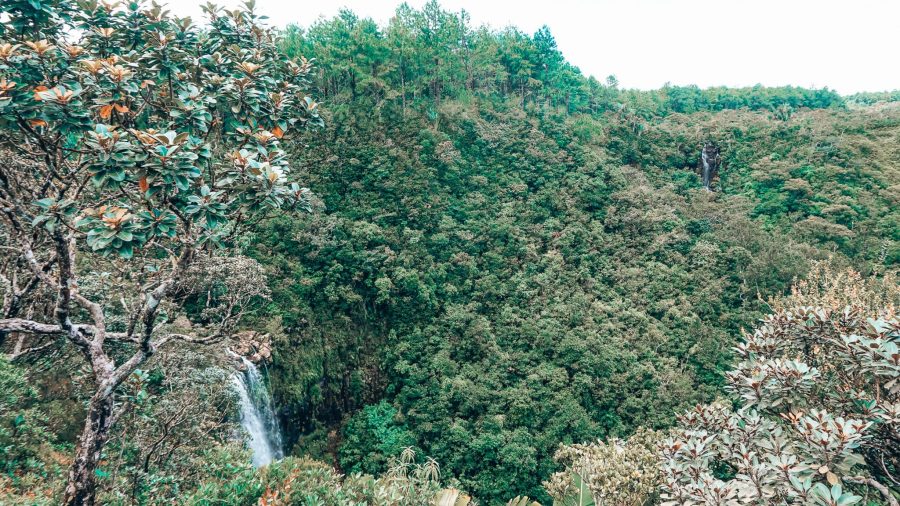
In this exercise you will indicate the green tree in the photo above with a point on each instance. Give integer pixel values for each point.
(136, 150)
(373, 437)
(817, 404)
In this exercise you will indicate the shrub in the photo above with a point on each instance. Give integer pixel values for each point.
(372, 437)
(617, 472)
(25, 464)
(818, 417)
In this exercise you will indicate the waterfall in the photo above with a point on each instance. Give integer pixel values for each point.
(709, 157)
(257, 416)
(706, 169)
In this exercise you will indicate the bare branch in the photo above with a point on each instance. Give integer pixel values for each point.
(19, 353)
(148, 319)
(888, 496)
(211, 339)
(29, 327)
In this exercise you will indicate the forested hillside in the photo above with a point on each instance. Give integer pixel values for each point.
(503, 257)
(512, 258)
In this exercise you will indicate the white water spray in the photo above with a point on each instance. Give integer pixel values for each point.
(707, 171)
(257, 416)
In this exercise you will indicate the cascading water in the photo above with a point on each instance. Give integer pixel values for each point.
(709, 158)
(257, 415)
(706, 170)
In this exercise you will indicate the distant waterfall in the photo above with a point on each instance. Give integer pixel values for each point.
(257, 415)
(709, 158)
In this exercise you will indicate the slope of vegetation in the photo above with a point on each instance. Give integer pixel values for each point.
(511, 256)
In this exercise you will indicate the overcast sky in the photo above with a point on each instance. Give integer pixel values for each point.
(847, 45)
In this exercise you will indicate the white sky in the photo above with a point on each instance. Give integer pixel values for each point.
(847, 45)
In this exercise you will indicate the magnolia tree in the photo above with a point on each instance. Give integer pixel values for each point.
(612, 473)
(135, 145)
(819, 407)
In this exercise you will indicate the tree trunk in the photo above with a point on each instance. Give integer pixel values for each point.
(82, 486)
(403, 84)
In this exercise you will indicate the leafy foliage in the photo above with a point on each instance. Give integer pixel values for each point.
(296, 481)
(377, 436)
(495, 264)
(818, 396)
(824, 177)
(622, 472)
(510, 258)
(140, 144)
(24, 434)
(177, 422)
(121, 104)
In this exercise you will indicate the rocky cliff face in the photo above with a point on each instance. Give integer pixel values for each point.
(255, 346)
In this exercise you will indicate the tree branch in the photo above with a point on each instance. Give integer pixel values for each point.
(19, 353)
(211, 339)
(29, 327)
(148, 319)
(888, 496)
